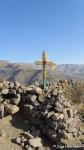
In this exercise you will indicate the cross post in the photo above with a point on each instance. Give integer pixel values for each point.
(45, 63)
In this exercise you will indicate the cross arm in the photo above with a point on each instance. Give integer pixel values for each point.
(51, 64)
(38, 62)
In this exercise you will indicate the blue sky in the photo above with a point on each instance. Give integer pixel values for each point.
(27, 27)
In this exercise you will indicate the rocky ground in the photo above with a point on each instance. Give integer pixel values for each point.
(32, 119)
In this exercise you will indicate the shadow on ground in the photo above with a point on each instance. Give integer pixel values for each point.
(18, 122)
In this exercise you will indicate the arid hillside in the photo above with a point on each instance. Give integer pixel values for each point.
(26, 73)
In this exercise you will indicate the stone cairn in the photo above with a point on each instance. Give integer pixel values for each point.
(50, 115)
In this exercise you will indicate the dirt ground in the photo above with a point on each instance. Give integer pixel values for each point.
(12, 126)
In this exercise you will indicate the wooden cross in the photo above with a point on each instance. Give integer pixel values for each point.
(45, 63)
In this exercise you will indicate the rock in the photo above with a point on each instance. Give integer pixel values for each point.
(58, 105)
(54, 118)
(36, 83)
(6, 84)
(12, 91)
(72, 125)
(76, 133)
(70, 113)
(16, 100)
(55, 92)
(51, 113)
(42, 97)
(33, 98)
(65, 114)
(1, 85)
(30, 148)
(27, 89)
(22, 145)
(17, 84)
(27, 147)
(11, 85)
(38, 90)
(35, 132)
(53, 137)
(28, 108)
(37, 142)
(67, 136)
(4, 91)
(11, 109)
(23, 139)
(58, 116)
(66, 103)
(20, 90)
(56, 109)
(1, 99)
(35, 103)
(61, 98)
(1, 110)
(28, 135)
(18, 140)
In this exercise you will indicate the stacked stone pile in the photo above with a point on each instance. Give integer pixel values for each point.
(11, 94)
(50, 114)
(68, 88)
(53, 114)
(9, 97)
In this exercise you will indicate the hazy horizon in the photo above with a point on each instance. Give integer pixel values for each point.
(17, 62)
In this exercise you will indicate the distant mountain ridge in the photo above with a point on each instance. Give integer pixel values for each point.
(25, 73)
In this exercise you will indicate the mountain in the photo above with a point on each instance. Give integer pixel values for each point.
(25, 73)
